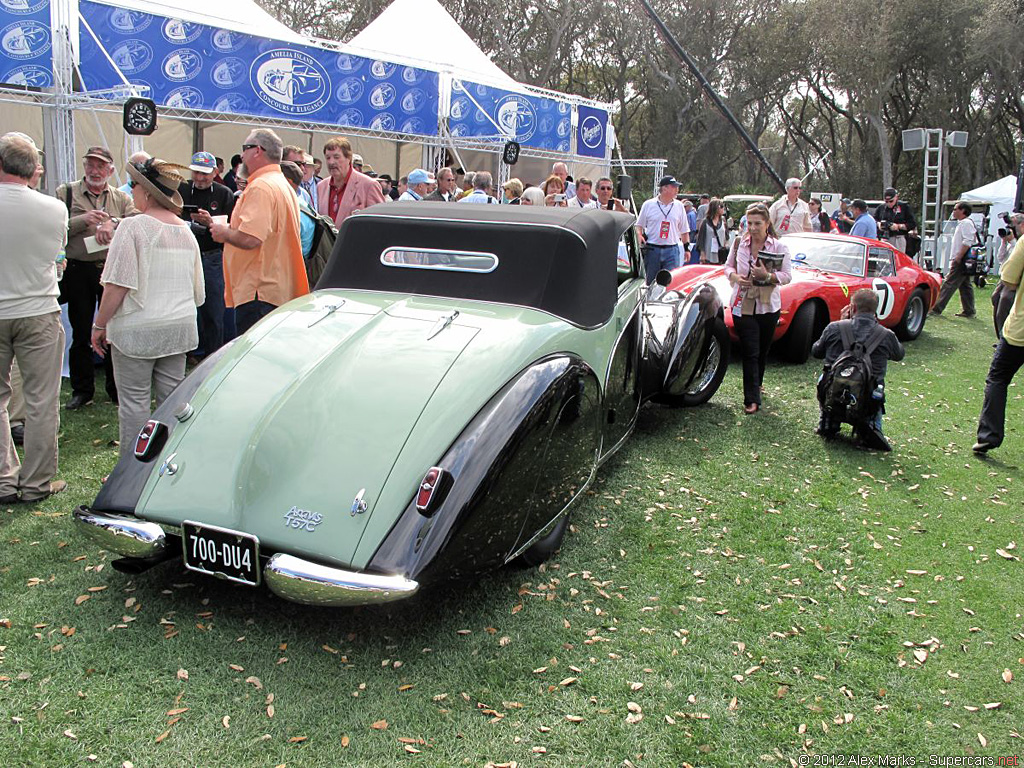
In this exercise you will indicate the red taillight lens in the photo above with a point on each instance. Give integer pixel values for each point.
(150, 440)
(428, 496)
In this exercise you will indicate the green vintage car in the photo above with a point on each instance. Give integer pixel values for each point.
(429, 412)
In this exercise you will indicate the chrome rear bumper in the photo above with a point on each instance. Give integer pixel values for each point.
(291, 577)
(124, 535)
(302, 581)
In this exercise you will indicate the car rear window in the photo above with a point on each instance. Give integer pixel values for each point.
(450, 261)
(827, 255)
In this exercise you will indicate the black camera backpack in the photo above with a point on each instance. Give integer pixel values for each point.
(850, 379)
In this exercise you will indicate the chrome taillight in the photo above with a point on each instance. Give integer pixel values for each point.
(432, 490)
(150, 440)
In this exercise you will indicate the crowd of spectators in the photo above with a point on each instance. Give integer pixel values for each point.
(180, 259)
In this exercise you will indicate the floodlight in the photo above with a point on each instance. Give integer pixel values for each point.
(957, 139)
(913, 139)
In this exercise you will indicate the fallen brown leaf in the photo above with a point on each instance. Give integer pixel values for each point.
(380, 725)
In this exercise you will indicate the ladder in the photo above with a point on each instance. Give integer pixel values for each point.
(931, 192)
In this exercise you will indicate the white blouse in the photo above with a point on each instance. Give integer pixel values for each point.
(161, 267)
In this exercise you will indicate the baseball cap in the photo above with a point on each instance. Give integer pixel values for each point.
(357, 159)
(203, 162)
(419, 176)
(668, 180)
(846, 200)
(385, 177)
(99, 153)
(889, 192)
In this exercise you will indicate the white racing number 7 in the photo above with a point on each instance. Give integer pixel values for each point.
(886, 297)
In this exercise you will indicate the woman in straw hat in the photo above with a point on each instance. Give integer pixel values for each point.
(153, 282)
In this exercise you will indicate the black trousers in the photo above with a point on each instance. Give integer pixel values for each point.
(755, 334)
(81, 288)
(250, 313)
(1007, 360)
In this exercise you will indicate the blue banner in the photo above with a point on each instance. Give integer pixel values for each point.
(193, 66)
(26, 55)
(533, 121)
(591, 131)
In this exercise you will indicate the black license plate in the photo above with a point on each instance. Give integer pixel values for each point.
(220, 552)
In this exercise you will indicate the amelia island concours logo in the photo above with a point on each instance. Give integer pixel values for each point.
(180, 32)
(182, 65)
(28, 76)
(591, 132)
(128, 22)
(290, 81)
(227, 40)
(25, 39)
(22, 7)
(516, 117)
(132, 56)
(229, 72)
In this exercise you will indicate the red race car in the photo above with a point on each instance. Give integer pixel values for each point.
(827, 269)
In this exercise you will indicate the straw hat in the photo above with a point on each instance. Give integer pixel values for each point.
(160, 179)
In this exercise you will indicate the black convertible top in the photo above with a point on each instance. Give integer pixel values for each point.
(559, 260)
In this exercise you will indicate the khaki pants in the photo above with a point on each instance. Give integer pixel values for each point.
(38, 343)
(137, 378)
(16, 408)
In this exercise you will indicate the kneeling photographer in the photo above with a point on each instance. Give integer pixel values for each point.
(852, 386)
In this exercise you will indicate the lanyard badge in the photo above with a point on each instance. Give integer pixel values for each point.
(663, 235)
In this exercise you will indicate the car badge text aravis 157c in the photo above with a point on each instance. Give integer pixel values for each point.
(302, 519)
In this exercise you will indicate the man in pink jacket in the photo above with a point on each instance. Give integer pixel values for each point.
(345, 190)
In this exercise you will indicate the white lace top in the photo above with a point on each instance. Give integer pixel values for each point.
(161, 267)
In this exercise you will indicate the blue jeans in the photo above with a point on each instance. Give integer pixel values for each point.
(657, 257)
(211, 314)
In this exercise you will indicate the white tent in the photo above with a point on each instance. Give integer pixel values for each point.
(424, 32)
(1001, 194)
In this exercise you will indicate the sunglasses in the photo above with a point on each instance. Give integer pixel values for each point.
(249, 146)
(604, 189)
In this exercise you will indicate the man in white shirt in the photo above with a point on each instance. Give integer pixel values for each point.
(584, 197)
(481, 194)
(964, 237)
(35, 232)
(662, 226)
(789, 213)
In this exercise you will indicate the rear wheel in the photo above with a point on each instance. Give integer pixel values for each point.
(800, 336)
(543, 549)
(912, 322)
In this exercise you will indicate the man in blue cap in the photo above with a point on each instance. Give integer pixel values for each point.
(204, 199)
(419, 186)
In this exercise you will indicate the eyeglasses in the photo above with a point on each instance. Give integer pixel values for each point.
(249, 146)
(604, 189)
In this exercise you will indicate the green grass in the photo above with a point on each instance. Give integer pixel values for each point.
(752, 578)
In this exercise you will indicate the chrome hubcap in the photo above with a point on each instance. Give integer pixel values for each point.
(915, 314)
(710, 368)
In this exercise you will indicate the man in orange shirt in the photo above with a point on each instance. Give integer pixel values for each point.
(263, 266)
(346, 190)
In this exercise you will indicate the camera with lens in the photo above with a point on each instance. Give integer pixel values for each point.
(1003, 232)
(886, 228)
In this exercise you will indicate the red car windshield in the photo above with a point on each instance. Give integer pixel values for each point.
(827, 254)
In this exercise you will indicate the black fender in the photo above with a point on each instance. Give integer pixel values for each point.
(124, 485)
(679, 334)
(516, 466)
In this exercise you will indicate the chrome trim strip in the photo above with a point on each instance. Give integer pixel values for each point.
(396, 249)
(124, 535)
(302, 581)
